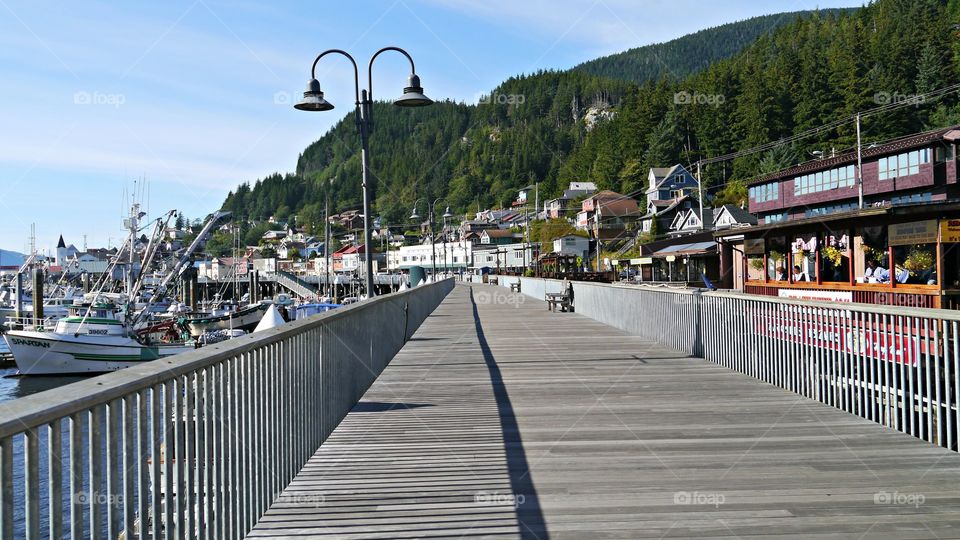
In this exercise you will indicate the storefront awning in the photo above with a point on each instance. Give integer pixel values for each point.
(696, 248)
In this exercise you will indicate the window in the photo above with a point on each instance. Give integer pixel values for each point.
(944, 153)
(912, 198)
(829, 209)
(824, 180)
(765, 192)
(904, 164)
(775, 218)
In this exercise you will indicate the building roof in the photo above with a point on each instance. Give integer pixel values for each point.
(574, 193)
(904, 143)
(660, 174)
(60, 244)
(498, 233)
(740, 215)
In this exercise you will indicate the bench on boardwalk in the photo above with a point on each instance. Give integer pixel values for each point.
(560, 299)
(515, 287)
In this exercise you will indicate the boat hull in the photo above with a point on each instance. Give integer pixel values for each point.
(246, 319)
(49, 353)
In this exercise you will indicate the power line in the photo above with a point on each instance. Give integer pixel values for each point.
(913, 101)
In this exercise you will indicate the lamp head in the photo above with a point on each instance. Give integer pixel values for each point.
(413, 94)
(313, 98)
(447, 213)
(414, 215)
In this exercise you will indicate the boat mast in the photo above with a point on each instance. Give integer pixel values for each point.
(161, 290)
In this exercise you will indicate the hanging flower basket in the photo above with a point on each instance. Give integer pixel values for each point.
(871, 252)
(832, 254)
(919, 259)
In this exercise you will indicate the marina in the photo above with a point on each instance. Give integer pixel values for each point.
(622, 270)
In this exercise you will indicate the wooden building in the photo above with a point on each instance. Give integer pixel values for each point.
(815, 241)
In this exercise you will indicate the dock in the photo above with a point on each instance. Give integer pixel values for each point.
(501, 419)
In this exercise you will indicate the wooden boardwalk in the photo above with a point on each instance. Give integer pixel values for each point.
(500, 419)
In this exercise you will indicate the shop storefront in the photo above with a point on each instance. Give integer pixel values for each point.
(904, 255)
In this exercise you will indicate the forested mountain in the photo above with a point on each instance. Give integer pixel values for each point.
(808, 73)
(684, 56)
(471, 155)
(811, 71)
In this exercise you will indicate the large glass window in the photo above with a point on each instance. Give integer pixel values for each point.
(903, 164)
(765, 192)
(824, 180)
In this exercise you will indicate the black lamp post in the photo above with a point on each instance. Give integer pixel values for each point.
(412, 97)
(433, 242)
(446, 215)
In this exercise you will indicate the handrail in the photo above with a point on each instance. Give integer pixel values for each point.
(945, 314)
(235, 422)
(41, 408)
(896, 366)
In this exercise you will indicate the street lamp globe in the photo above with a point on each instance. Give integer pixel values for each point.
(447, 214)
(313, 99)
(413, 94)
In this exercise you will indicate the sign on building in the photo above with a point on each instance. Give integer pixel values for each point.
(754, 246)
(950, 230)
(914, 232)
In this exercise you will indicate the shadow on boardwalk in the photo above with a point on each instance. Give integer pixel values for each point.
(524, 493)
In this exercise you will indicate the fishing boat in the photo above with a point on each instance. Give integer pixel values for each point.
(242, 319)
(101, 334)
(90, 340)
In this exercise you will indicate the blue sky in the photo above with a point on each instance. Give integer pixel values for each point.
(196, 95)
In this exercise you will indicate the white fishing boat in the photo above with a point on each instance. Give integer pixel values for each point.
(91, 340)
(102, 335)
(242, 319)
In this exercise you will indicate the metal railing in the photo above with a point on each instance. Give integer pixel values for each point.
(899, 367)
(201, 444)
(296, 285)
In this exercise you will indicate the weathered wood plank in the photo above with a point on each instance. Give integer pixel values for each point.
(500, 419)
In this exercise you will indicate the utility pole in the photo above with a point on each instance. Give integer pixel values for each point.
(596, 223)
(536, 212)
(859, 165)
(326, 239)
(700, 196)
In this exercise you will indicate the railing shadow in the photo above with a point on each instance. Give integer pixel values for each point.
(381, 406)
(527, 508)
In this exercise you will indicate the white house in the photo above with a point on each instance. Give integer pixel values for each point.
(454, 256)
(571, 244)
(509, 256)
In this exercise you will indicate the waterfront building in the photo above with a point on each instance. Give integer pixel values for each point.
(814, 240)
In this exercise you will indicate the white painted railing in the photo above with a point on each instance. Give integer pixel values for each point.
(895, 366)
(200, 445)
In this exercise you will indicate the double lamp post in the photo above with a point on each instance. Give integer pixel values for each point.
(433, 241)
(313, 101)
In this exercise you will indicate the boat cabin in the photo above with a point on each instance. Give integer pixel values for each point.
(96, 320)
